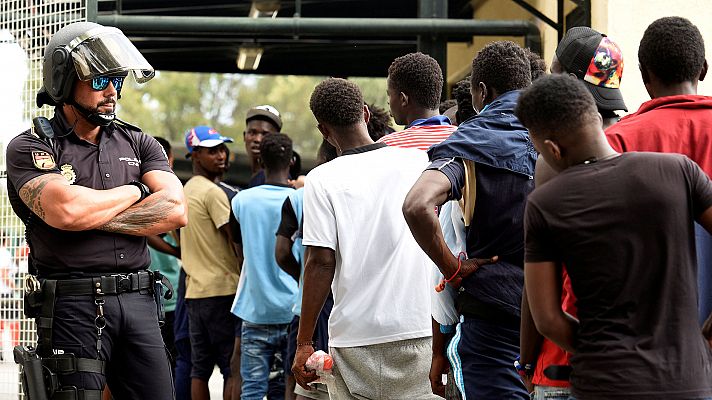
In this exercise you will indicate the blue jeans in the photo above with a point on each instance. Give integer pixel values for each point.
(259, 345)
(550, 393)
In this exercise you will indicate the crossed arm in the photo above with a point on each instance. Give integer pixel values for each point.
(78, 208)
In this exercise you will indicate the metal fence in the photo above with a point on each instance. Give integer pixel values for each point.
(25, 29)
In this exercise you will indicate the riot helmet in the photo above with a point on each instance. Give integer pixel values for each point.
(86, 50)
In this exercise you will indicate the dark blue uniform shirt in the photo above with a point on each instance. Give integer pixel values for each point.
(122, 155)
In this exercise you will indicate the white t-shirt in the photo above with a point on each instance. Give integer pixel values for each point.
(381, 286)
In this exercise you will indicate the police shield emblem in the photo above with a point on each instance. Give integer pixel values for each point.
(43, 160)
(68, 173)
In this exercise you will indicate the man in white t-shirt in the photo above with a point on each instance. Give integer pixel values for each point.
(358, 243)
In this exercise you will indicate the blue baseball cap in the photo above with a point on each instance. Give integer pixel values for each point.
(203, 136)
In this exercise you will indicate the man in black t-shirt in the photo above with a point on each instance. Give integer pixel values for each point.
(623, 225)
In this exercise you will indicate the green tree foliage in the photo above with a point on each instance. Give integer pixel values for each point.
(173, 102)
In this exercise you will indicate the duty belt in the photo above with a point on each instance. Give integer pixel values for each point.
(111, 284)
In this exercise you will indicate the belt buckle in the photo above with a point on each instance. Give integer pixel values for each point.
(123, 283)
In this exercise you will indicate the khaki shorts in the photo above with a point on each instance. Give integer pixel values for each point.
(395, 370)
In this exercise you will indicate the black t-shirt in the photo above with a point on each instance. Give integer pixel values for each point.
(624, 229)
(122, 155)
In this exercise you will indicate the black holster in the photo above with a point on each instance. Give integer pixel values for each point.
(159, 280)
(33, 383)
(41, 369)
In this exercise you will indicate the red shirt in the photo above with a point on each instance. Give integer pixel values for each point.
(551, 354)
(419, 136)
(672, 124)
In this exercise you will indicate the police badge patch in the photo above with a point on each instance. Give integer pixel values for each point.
(43, 160)
(68, 173)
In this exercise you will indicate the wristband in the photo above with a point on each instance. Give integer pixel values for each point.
(524, 370)
(309, 343)
(145, 191)
(441, 286)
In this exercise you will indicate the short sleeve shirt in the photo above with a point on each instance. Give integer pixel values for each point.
(208, 258)
(123, 154)
(265, 293)
(624, 229)
(381, 286)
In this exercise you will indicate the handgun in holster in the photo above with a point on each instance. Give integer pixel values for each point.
(33, 380)
(32, 303)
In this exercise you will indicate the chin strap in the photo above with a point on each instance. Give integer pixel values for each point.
(96, 118)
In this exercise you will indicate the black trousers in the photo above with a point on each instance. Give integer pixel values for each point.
(138, 366)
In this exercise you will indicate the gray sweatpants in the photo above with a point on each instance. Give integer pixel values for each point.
(395, 370)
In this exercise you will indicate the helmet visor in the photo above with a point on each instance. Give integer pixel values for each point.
(106, 51)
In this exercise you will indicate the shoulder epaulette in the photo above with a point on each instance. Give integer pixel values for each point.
(127, 125)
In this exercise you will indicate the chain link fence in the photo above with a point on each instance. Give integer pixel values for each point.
(26, 27)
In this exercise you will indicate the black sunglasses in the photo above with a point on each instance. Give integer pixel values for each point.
(102, 82)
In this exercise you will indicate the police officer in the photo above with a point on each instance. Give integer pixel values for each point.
(89, 191)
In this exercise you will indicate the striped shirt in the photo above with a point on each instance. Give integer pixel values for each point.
(421, 134)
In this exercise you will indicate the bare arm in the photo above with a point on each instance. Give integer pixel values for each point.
(318, 274)
(439, 364)
(430, 190)
(162, 211)
(529, 339)
(157, 243)
(543, 288)
(285, 258)
(73, 207)
(707, 329)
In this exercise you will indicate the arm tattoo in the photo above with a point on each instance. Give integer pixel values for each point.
(145, 215)
(31, 192)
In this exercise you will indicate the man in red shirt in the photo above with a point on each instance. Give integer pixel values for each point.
(677, 119)
(415, 82)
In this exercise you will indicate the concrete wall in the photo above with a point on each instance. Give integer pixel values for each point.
(460, 55)
(625, 22)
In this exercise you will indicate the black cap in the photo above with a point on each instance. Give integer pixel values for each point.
(596, 60)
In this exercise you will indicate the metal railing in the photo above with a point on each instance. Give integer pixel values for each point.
(25, 29)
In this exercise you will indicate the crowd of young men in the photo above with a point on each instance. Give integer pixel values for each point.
(510, 246)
